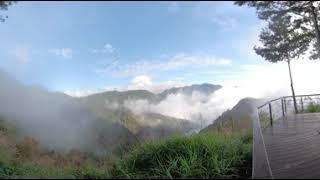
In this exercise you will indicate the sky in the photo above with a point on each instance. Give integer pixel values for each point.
(85, 47)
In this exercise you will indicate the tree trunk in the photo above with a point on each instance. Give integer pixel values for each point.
(293, 94)
(315, 24)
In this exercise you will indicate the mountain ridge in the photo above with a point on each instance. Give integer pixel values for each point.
(237, 118)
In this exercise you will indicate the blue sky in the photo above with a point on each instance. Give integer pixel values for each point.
(68, 46)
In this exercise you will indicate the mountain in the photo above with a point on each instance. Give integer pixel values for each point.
(236, 119)
(159, 126)
(204, 88)
(100, 120)
(110, 106)
(57, 121)
(120, 96)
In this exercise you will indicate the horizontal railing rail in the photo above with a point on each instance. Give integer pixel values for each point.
(277, 108)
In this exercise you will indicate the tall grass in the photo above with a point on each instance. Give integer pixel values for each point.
(312, 108)
(199, 156)
(12, 167)
(214, 155)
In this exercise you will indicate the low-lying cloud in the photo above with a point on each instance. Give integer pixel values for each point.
(57, 121)
(256, 81)
(65, 53)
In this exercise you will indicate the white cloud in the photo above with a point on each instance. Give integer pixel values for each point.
(222, 14)
(176, 62)
(62, 52)
(252, 80)
(145, 82)
(107, 48)
(272, 79)
(86, 92)
(225, 22)
(21, 54)
(258, 81)
(140, 82)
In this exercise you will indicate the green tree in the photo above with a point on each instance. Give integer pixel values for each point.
(292, 30)
(4, 6)
(304, 18)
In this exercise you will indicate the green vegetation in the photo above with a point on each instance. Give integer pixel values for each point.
(205, 155)
(199, 156)
(11, 168)
(312, 108)
(264, 120)
(230, 125)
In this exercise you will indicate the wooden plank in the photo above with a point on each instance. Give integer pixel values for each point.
(292, 146)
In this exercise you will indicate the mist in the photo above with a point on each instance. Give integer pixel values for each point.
(57, 121)
(60, 122)
(265, 81)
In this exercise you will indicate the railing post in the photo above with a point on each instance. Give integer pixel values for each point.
(270, 113)
(301, 105)
(285, 105)
(282, 106)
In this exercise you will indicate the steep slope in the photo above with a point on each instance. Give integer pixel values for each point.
(110, 107)
(204, 88)
(236, 119)
(57, 121)
(159, 126)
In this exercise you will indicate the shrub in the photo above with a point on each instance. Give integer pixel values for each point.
(7, 128)
(6, 164)
(90, 172)
(26, 148)
(198, 156)
(311, 108)
(264, 120)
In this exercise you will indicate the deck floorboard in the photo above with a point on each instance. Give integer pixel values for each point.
(293, 146)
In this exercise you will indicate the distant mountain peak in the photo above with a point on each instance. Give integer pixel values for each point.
(204, 88)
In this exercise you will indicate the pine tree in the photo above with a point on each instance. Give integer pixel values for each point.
(303, 18)
(293, 28)
(4, 6)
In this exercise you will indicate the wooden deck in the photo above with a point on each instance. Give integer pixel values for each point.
(292, 146)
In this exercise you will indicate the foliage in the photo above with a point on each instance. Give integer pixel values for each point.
(292, 25)
(26, 148)
(264, 120)
(7, 128)
(280, 42)
(311, 108)
(198, 156)
(4, 6)
(11, 169)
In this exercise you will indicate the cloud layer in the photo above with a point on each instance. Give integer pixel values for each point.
(172, 63)
(62, 52)
(107, 48)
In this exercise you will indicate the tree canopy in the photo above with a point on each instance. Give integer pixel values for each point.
(293, 28)
(4, 6)
(282, 42)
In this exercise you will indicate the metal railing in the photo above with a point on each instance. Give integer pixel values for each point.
(265, 117)
(277, 108)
